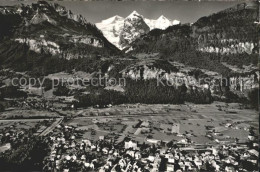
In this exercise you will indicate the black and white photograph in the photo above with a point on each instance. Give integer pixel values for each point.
(129, 86)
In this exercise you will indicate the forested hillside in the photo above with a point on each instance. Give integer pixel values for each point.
(228, 36)
(31, 35)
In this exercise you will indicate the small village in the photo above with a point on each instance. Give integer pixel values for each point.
(141, 146)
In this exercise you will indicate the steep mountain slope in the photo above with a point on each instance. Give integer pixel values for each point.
(49, 30)
(173, 39)
(46, 38)
(231, 31)
(114, 26)
(229, 36)
(134, 27)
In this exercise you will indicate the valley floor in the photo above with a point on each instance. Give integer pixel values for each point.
(190, 136)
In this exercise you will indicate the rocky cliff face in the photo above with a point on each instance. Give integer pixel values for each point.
(52, 30)
(231, 31)
(67, 13)
(229, 36)
(42, 46)
(244, 81)
(230, 47)
(158, 69)
(134, 27)
(177, 74)
(174, 39)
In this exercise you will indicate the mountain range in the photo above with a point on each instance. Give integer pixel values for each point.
(46, 38)
(44, 29)
(228, 36)
(122, 31)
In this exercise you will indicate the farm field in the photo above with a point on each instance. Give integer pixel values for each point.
(167, 122)
(27, 114)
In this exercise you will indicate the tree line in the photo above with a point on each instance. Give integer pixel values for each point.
(144, 91)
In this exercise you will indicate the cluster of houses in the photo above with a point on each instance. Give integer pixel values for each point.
(13, 136)
(71, 149)
(71, 152)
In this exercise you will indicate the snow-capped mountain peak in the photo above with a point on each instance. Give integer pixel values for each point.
(134, 14)
(112, 20)
(161, 23)
(162, 17)
(175, 22)
(113, 27)
(134, 27)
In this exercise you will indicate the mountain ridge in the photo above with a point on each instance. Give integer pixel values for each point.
(113, 26)
(60, 21)
(40, 42)
(42, 32)
(230, 31)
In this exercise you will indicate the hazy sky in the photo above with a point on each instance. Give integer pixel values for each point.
(95, 11)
